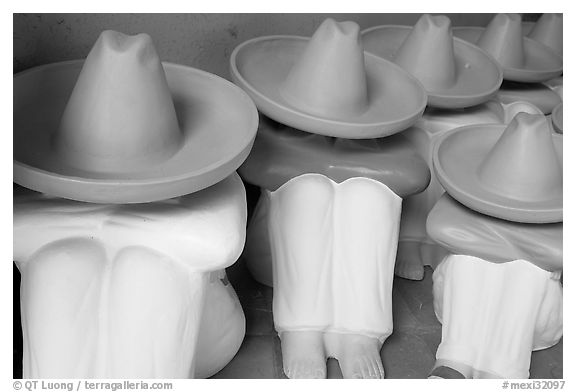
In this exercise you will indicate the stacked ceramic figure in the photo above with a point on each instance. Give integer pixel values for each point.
(332, 168)
(499, 294)
(530, 55)
(138, 210)
(461, 80)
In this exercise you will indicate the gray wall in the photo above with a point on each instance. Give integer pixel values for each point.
(204, 41)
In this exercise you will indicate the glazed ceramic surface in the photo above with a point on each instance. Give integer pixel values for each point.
(130, 291)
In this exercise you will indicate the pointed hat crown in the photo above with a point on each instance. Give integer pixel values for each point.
(428, 52)
(503, 39)
(548, 30)
(120, 115)
(329, 78)
(523, 164)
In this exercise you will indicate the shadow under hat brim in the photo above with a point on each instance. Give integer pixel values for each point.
(218, 122)
(541, 63)
(478, 75)
(462, 230)
(396, 99)
(457, 157)
(281, 153)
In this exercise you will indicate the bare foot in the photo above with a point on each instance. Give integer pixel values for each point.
(359, 357)
(303, 354)
(408, 261)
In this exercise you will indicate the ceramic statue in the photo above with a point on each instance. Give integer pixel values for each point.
(122, 253)
(498, 294)
(327, 200)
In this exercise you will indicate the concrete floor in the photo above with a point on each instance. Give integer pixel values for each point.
(408, 353)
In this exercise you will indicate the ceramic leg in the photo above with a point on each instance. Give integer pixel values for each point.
(333, 272)
(222, 326)
(494, 315)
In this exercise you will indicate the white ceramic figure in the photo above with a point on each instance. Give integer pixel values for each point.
(416, 249)
(130, 285)
(130, 291)
(494, 315)
(333, 247)
(499, 295)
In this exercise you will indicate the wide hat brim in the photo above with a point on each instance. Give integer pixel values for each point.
(457, 157)
(218, 122)
(396, 99)
(541, 63)
(478, 75)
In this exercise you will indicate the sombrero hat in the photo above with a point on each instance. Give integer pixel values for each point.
(512, 172)
(522, 59)
(120, 127)
(547, 30)
(327, 84)
(455, 73)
